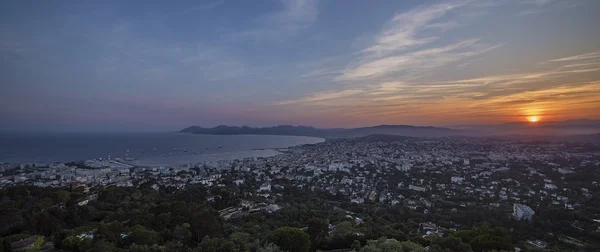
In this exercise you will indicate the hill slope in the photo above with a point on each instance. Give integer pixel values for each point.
(288, 130)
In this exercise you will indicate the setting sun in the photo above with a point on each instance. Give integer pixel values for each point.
(533, 119)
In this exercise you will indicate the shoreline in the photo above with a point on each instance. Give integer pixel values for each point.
(203, 158)
(166, 155)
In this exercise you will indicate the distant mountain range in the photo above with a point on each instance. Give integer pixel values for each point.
(563, 128)
(570, 138)
(403, 130)
(556, 128)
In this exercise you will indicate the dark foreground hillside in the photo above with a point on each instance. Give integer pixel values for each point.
(194, 219)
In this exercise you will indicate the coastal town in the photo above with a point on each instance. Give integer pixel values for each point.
(520, 179)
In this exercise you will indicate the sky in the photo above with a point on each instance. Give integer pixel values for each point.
(165, 65)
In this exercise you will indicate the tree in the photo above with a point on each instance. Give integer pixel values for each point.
(217, 244)
(109, 231)
(317, 230)
(72, 243)
(242, 240)
(450, 244)
(342, 229)
(490, 242)
(103, 246)
(205, 222)
(5, 246)
(162, 221)
(142, 236)
(290, 239)
(483, 238)
(269, 248)
(146, 248)
(343, 235)
(61, 196)
(356, 245)
(391, 245)
(176, 247)
(182, 233)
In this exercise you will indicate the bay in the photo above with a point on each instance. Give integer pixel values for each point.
(141, 148)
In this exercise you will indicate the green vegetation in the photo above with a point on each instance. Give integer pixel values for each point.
(483, 238)
(290, 239)
(384, 245)
(145, 219)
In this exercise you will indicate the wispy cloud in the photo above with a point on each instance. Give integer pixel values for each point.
(321, 96)
(529, 12)
(417, 62)
(207, 6)
(443, 26)
(295, 59)
(163, 16)
(584, 56)
(320, 72)
(127, 52)
(561, 91)
(294, 16)
(392, 76)
(401, 31)
(562, 100)
(542, 6)
(400, 47)
(581, 65)
(537, 2)
(505, 80)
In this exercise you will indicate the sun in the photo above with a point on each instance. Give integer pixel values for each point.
(533, 119)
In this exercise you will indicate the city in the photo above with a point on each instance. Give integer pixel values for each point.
(300, 126)
(450, 184)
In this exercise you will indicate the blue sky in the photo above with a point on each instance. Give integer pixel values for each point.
(156, 65)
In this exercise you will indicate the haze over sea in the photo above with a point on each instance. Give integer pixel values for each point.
(144, 148)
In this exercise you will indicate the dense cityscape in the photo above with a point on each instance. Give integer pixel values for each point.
(537, 195)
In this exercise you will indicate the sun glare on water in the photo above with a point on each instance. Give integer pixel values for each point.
(533, 119)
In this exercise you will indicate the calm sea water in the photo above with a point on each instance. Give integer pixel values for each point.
(145, 148)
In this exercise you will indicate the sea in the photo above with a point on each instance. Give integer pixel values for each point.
(152, 149)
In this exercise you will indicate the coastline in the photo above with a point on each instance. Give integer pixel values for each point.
(203, 158)
(137, 150)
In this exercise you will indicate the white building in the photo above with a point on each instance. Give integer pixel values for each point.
(404, 167)
(272, 208)
(358, 200)
(538, 243)
(346, 181)
(550, 186)
(265, 187)
(416, 188)
(522, 212)
(457, 180)
(336, 167)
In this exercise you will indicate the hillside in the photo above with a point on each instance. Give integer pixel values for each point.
(288, 130)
